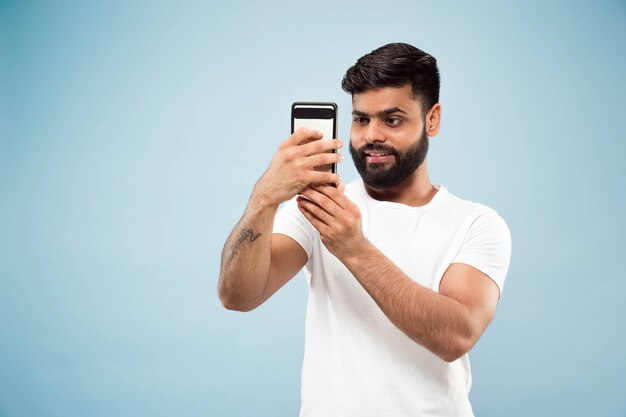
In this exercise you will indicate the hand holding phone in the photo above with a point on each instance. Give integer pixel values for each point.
(316, 116)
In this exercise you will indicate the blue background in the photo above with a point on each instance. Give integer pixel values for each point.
(133, 132)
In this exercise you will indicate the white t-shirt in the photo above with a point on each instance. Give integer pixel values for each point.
(356, 362)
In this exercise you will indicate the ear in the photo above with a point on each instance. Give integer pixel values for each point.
(433, 120)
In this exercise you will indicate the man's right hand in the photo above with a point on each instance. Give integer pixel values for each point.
(293, 167)
(256, 263)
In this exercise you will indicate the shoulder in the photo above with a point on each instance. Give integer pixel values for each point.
(486, 240)
(467, 207)
(475, 218)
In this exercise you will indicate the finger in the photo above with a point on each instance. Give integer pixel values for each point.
(322, 177)
(312, 219)
(304, 189)
(325, 158)
(320, 146)
(341, 187)
(323, 201)
(304, 135)
(333, 194)
(314, 211)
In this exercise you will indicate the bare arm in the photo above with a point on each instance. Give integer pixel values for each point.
(255, 262)
(246, 259)
(447, 323)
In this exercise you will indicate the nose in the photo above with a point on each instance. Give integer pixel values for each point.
(374, 133)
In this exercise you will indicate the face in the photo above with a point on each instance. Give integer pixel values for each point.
(388, 138)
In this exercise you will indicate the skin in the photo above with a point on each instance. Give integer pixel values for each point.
(255, 262)
(448, 322)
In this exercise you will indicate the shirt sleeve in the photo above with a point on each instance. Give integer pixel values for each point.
(487, 247)
(289, 221)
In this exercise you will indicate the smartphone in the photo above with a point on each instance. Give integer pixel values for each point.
(316, 116)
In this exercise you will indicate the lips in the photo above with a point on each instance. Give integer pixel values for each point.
(376, 153)
(375, 156)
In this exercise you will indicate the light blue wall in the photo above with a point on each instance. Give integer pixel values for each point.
(131, 135)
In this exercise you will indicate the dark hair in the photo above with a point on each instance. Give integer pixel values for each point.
(396, 65)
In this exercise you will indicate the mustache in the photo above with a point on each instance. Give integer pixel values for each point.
(377, 147)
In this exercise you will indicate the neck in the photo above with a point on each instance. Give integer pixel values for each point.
(415, 191)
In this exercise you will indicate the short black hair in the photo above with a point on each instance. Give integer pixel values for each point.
(396, 65)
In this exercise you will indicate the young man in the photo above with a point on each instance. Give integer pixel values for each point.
(403, 276)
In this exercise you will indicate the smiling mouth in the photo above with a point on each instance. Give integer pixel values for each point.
(378, 157)
(376, 153)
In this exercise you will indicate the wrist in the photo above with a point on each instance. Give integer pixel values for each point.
(354, 253)
(262, 199)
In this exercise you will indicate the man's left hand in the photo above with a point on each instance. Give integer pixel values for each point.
(336, 218)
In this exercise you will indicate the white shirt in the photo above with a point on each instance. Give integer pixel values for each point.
(356, 362)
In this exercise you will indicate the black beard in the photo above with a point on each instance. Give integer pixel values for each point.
(384, 176)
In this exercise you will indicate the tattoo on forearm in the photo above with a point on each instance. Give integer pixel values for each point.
(245, 234)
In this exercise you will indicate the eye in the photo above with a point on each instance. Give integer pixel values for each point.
(362, 121)
(393, 121)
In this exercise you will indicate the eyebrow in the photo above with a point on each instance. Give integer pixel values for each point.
(380, 114)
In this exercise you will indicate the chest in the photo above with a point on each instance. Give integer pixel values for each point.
(421, 244)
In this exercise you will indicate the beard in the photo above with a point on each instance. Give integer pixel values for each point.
(382, 176)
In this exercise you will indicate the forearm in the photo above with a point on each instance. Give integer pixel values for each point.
(246, 256)
(439, 323)
(443, 324)
(247, 262)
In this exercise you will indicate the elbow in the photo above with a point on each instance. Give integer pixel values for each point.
(233, 305)
(458, 347)
(232, 302)
(450, 350)
(452, 355)
(462, 340)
